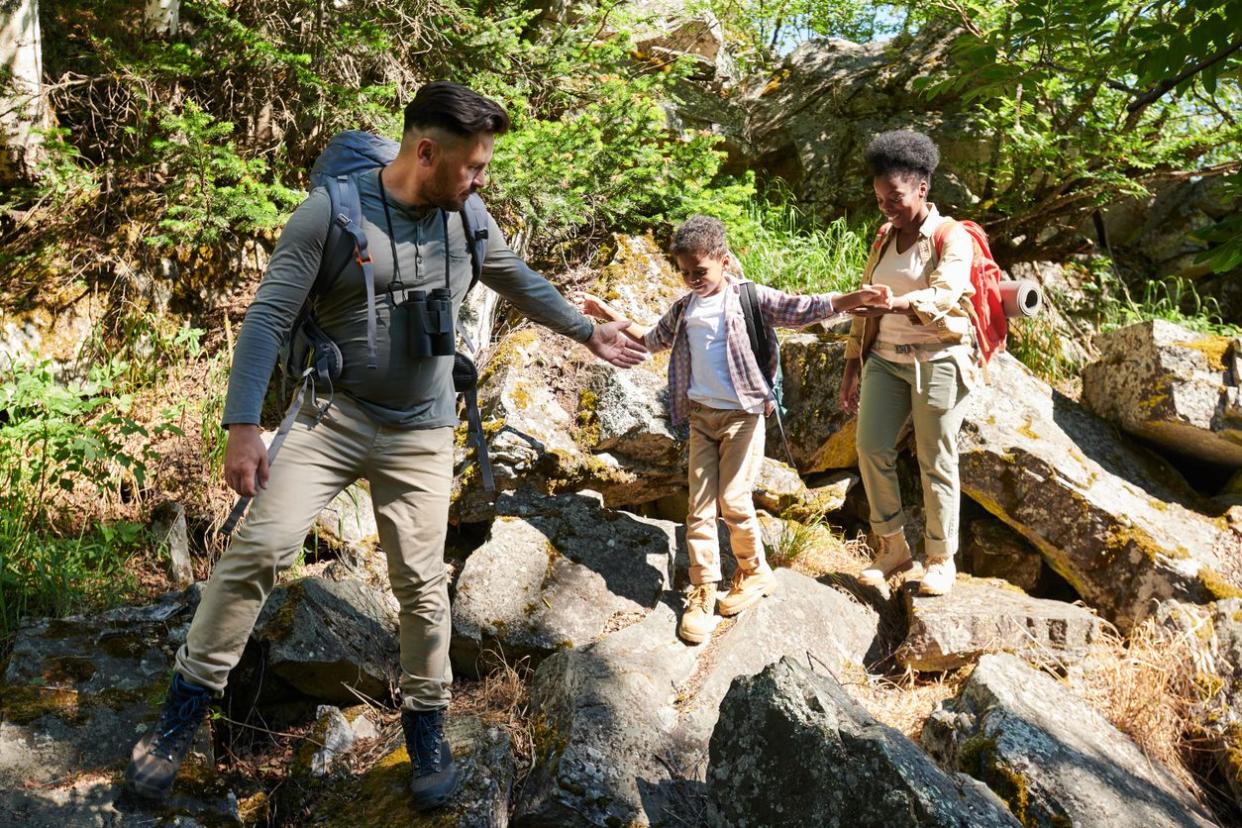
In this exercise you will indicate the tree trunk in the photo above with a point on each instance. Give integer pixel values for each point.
(162, 17)
(23, 113)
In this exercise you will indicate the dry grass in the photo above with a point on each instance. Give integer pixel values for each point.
(502, 697)
(1148, 687)
(903, 702)
(814, 550)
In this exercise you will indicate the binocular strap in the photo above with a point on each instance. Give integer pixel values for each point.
(480, 443)
(299, 399)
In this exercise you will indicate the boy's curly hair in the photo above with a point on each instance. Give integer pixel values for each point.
(701, 235)
(902, 151)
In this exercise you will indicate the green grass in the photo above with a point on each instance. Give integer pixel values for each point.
(787, 250)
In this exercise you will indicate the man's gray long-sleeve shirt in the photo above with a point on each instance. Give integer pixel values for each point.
(401, 391)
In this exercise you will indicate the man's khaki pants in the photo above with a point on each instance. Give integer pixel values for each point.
(726, 450)
(410, 472)
(890, 395)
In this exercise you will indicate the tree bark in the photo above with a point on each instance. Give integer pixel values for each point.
(23, 112)
(162, 17)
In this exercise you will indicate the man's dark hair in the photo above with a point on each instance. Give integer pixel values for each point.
(456, 109)
(902, 151)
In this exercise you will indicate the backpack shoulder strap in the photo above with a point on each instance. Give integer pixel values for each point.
(941, 234)
(474, 223)
(347, 216)
(756, 326)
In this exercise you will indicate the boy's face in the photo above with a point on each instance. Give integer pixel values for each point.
(702, 272)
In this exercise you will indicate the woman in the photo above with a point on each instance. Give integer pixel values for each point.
(913, 360)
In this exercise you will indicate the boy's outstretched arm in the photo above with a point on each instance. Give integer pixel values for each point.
(592, 305)
(792, 310)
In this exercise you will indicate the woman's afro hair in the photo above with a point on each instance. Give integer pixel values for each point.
(902, 151)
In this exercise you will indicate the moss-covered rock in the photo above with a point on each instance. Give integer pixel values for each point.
(1052, 758)
(1172, 386)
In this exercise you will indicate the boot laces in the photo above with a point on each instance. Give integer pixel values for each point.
(696, 598)
(182, 713)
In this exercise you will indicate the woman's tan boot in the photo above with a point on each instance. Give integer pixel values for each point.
(894, 557)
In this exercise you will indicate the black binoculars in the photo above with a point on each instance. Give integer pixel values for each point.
(430, 322)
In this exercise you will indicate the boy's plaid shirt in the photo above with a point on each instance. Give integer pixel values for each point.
(780, 309)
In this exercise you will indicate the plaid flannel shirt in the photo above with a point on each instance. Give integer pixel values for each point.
(780, 309)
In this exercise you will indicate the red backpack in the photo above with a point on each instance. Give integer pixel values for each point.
(985, 307)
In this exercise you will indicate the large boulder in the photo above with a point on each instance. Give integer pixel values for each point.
(555, 572)
(1114, 521)
(624, 723)
(991, 549)
(76, 695)
(821, 436)
(324, 637)
(380, 796)
(558, 419)
(1050, 756)
(794, 749)
(978, 617)
(1172, 386)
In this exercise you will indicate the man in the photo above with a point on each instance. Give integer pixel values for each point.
(391, 422)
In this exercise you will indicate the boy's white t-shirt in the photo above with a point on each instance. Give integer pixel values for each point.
(710, 383)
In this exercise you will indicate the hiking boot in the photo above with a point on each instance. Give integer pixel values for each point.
(894, 557)
(747, 588)
(939, 578)
(699, 619)
(435, 775)
(158, 755)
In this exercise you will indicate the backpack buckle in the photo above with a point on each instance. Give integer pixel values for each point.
(342, 219)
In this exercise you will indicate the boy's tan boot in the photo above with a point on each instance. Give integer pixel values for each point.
(699, 620)
(747, 588)
(894, 557)
(939, 578)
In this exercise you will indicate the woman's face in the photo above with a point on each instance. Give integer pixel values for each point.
(901, 197)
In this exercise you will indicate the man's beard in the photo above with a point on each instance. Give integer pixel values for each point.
(446, 196)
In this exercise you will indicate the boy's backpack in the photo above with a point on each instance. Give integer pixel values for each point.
(309, 355)
(759, 332)
(985, 307)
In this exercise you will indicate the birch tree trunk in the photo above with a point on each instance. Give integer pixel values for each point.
(22, 110)
(162, 17)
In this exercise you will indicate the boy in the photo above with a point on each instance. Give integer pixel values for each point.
(718, 387)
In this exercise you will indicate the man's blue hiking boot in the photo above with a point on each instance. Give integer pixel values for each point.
(158, 755)
(435, 776)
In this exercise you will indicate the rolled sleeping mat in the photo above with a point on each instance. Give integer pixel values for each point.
(1021, 298)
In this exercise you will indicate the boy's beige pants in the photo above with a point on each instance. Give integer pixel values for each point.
(726, 451)
(410, 472)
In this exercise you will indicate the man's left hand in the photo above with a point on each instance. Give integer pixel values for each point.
(611, 345)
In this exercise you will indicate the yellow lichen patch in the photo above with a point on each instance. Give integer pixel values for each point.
(587, 419)
(1216, 586)
(23, 705)
(1213, 348)
(1026, 431)
(508, 352)
(254, 810)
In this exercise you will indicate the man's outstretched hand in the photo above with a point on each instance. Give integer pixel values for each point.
(611, 345)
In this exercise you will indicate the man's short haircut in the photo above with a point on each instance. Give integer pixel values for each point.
(904, 152)
(701, 236)
(455, 109)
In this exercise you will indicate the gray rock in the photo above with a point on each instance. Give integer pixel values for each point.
(993, 550)
(559, 420)
(348, 522)
(1050, 755)
(978, 617)
(821, 436)
(76, 695)
(330, 739)
(168, 530)
(381, 795)
(1169, 385)
(323, 637)
(1112, 520)
(553, 573)
(778, 487)
(793, 749)
(624, 723)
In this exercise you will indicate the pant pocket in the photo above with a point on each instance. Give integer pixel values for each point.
(944, 384)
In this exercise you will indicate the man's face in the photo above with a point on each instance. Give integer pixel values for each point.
(702, 272)
(458, 168)
(900, 197)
